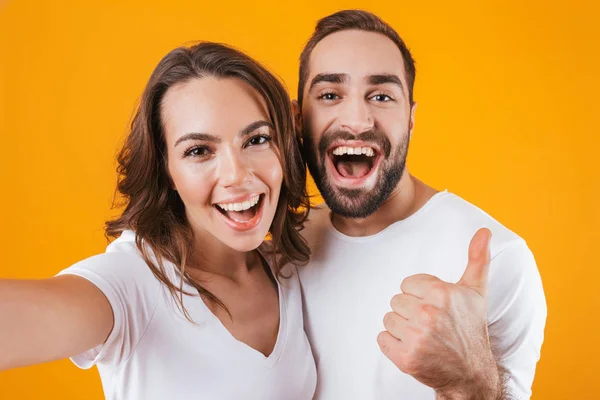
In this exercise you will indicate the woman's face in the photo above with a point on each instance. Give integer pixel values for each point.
(222, 160)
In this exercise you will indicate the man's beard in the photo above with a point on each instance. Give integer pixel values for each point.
(356, 203)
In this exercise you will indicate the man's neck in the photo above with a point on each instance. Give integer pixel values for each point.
(407, 198)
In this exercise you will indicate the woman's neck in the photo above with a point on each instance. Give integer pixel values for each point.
(212, 257)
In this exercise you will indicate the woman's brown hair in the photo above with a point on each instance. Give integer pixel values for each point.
(156, 213)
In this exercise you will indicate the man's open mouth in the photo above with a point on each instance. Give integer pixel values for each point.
(354, 162)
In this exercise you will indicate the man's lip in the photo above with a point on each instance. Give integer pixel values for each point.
(353, 143)
(248, 225)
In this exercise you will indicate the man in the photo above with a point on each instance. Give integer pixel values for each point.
(387, 239)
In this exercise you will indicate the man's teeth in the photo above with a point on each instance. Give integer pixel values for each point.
(340, 151)
(239, 206)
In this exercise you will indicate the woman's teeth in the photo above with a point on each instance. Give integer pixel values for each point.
(340, 151)
(246, 205)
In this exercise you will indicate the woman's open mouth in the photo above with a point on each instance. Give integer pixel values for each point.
(353, 164)
(243, 214)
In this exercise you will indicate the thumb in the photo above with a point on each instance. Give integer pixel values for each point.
(476, 273)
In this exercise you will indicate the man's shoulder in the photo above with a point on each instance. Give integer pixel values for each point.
(446, 217)
(458, 216)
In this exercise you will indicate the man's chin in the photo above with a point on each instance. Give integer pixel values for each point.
(349, 203)
(351, 211)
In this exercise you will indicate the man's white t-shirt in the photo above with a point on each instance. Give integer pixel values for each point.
(155, 353)
(350, 281)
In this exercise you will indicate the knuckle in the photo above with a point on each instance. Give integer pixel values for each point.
(411, 280)
(405, 283)
(387, 348)
(383, 343)
(442, 293)
(420, 341)
(427, 310)
(398, 302)
(389, 320)
(429, 315)
(393, 301)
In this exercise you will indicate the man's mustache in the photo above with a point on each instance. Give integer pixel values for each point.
(371, 136)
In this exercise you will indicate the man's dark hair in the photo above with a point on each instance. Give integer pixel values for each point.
(357, 20)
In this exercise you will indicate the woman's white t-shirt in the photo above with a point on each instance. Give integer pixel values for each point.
(155, 353)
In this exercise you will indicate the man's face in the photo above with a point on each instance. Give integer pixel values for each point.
(356, 120)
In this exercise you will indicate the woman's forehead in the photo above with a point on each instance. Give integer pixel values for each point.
(219, 106)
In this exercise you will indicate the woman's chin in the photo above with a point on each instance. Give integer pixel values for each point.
(246, 244)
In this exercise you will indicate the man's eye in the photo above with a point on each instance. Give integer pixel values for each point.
(382, 98)
(198, 151)
(258, 140)
(328, 96)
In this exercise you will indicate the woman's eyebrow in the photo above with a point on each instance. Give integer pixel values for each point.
(198, 136)
(254, 126)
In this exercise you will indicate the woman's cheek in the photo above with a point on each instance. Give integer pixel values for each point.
(268, 167)
(193, 182)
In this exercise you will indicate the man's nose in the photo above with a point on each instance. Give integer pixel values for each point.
(355, 116)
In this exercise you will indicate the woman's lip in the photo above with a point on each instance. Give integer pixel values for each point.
(238, 199)
(248, 225)
(351, 182)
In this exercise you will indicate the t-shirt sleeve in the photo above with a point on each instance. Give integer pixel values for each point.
(517, 315)
(133, 293)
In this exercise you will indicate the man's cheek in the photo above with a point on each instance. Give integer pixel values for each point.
(320, 121)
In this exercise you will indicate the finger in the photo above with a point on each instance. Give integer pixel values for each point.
(476, 273)
(418, 285)
(395, 325)
(406, 305)
(392, 348)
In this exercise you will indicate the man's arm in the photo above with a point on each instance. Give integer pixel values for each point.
(485, 389)
(516, 316)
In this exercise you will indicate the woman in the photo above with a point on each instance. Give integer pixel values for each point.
(187, 303)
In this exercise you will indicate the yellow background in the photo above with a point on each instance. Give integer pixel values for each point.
(508, 118)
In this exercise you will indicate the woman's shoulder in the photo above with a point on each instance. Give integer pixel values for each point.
(121, 262)
(125, 243)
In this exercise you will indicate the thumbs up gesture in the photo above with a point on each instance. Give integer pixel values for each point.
(437, 331)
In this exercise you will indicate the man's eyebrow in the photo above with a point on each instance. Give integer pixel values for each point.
(254, 126)
(381, 79)
(198, 136)
(331, 78)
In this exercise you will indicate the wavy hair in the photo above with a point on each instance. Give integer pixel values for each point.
(156, 212)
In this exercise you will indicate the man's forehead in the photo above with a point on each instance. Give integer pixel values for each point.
(357, 54)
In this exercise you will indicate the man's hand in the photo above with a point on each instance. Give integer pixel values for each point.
(438, 333)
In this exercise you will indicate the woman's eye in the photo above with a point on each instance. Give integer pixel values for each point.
(258, 140)
(382, 98)
(328, 96)
(197, 152)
